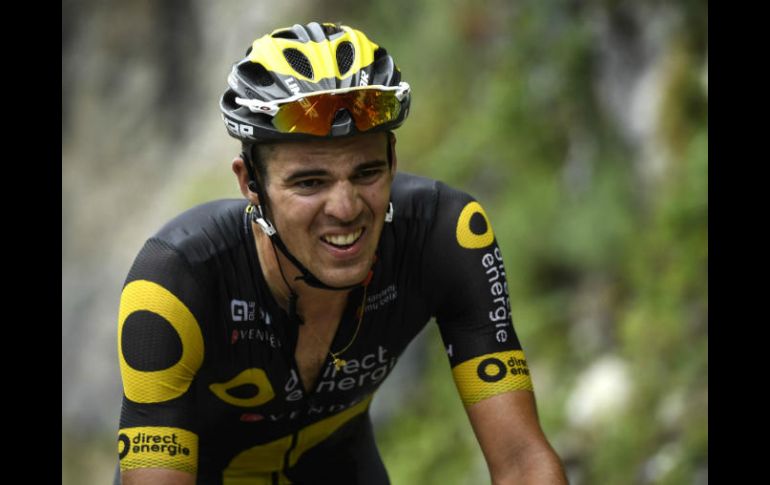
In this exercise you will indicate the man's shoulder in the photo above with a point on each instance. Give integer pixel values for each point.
(419, 197)
(206, 228)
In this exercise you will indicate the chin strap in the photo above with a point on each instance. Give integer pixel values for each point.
(268, 228)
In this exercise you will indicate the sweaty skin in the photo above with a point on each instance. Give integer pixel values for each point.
(324, 196)
(327, 190)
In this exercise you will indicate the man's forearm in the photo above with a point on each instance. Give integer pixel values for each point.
(156, 476)
(541, 467)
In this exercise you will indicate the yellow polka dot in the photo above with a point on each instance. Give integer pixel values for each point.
(465, 236)
(256, 377)
(170, 383)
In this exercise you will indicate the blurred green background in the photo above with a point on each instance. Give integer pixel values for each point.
(581, 126)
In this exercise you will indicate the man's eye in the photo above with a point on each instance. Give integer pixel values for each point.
(369, 173)
(309, 183)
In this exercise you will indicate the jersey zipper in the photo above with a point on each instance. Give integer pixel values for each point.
(294, 439)
(306, 398)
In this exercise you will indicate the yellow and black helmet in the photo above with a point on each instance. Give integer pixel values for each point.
(310, 81)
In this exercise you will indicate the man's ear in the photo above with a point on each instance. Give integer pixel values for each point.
(239, 169)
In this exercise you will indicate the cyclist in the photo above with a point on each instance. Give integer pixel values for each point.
(254, 333)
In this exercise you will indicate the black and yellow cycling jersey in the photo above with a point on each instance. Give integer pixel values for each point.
(206, 354)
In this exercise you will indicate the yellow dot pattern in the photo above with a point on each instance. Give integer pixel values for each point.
(163, 385)
(491, 374)
(465, 236)
(254, 376)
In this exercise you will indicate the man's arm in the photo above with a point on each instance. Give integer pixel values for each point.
(514, 446)
(465, 281)
(157, 439)
(156, 476)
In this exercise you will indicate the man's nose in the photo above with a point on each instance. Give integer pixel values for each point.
(344, 202)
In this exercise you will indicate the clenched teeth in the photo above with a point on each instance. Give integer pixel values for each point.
(343, 239)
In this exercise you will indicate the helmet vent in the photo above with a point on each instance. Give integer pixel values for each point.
(345, 56)
(331, 29)
(285, 34)
(256, 74)
(299, 62)
(379, 53)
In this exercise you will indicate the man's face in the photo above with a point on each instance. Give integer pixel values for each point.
(328, 201)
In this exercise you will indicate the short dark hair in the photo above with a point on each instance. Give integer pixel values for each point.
(259, 157)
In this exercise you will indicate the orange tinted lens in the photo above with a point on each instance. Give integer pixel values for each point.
(314, 115)
(371, 108)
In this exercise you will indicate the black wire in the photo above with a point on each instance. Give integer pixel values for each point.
(293, 297)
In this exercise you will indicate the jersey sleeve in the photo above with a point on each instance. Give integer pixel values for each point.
(160, 349)
(466, 283)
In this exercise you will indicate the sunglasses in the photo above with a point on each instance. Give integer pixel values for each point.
(313, 114)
